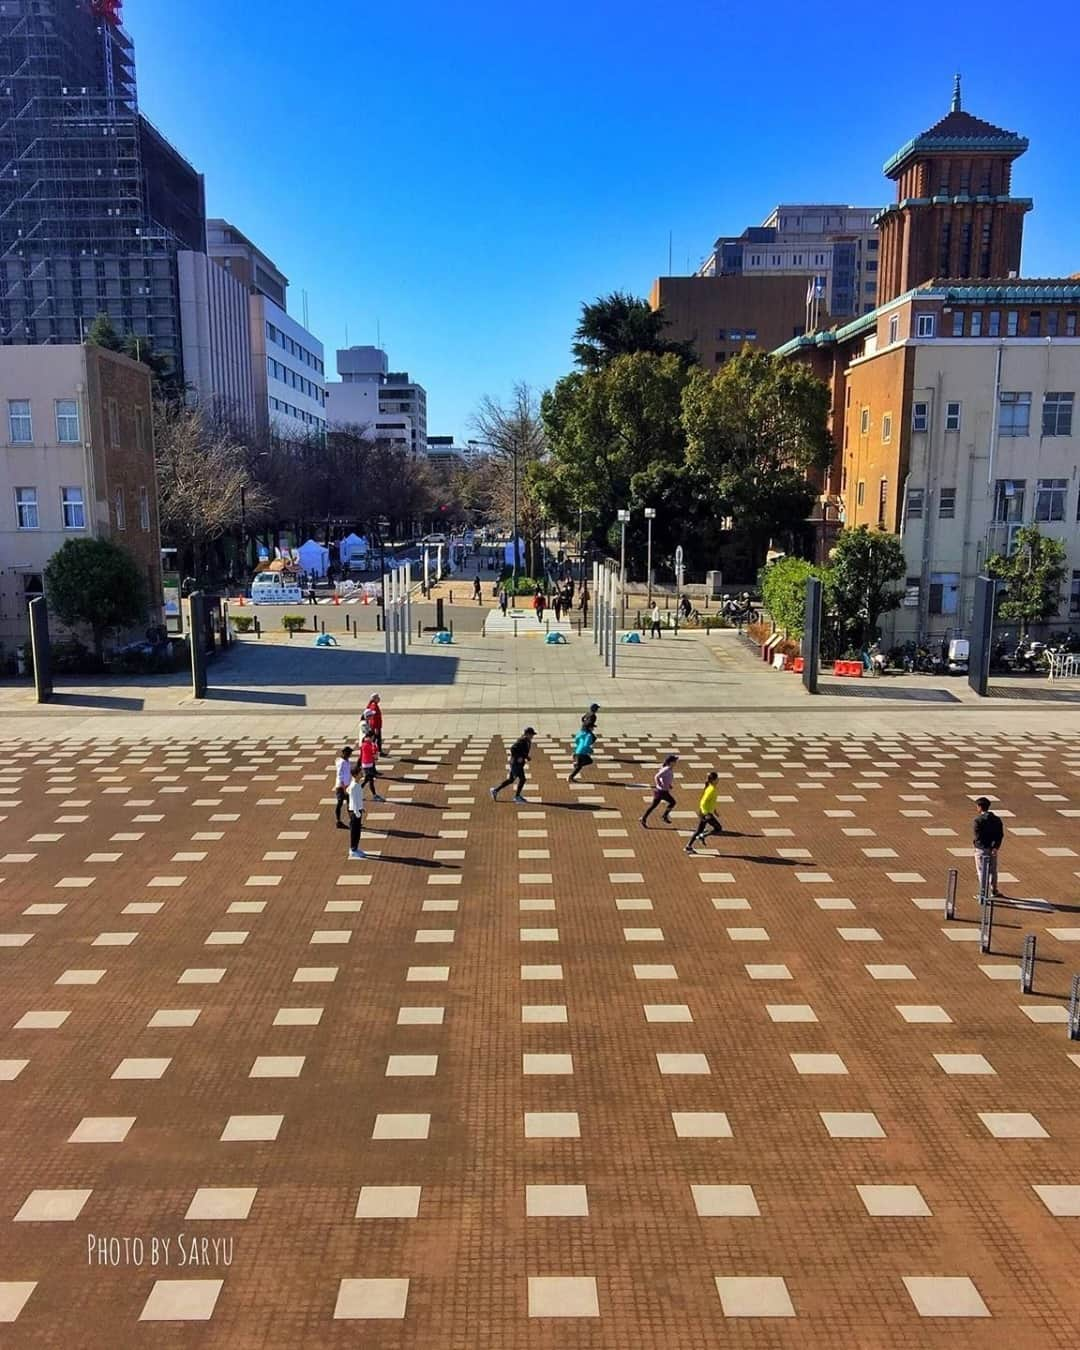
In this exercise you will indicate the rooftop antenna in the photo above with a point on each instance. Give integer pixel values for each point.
(955, 94)
(305, 302)
(346, 335)
(669, 252)
(378, 335)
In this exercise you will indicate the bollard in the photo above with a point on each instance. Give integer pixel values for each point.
(451, 597)
(1074, 1009)
(258, 627)
(515, 627)
(984, 881)
(290, 633)
(950, 894)
(322, 625)
(1027, 965)
(451, 628)
(547, 626)
(986, 925)
(419, 628)
(348, 623)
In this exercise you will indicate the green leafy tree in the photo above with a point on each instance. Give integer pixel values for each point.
(1032, 574)
(95, 584)
(783, 588)
(758, 428)
(865, 567)
(620, 324)
(102, 333)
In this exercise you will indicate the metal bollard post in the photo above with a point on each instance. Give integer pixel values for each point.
(348, 622)
(986, 925)
(1027, 965)
(258, 627)
(984, 881)
(451, 597)
(322, 625)
(950, 894)
(515, 627)
(1074, 1009)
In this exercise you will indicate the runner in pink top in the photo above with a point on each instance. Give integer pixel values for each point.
(662, 785)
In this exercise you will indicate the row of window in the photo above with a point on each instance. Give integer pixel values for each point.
(73, 509)
(979, 323)
(736, 335)
(278, 371)
(279, 405)
(1014, 415)
(1050, 501)
(294, 348)
(21, 422)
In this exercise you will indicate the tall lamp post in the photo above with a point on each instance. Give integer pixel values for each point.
(650, 516)
(624, 517)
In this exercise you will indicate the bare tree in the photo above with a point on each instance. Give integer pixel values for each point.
(514, 433)
(203, 479)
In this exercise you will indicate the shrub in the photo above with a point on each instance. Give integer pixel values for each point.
(293, 623)
(243, 623)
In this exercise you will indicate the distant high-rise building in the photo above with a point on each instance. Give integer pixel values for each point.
(836, 245)
(94, 202)
(372, 395)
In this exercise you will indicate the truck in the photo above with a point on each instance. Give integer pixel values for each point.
(271, 588)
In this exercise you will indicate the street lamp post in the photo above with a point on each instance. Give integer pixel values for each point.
(624, 516)
(650, 516)
(514, 573)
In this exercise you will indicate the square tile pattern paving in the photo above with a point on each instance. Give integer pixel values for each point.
(765, 1096)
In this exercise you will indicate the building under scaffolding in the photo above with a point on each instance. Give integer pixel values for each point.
(94, 202)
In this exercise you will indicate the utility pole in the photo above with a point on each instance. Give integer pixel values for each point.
(650, 516)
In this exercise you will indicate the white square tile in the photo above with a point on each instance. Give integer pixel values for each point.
(543, 1012)
(426, 1016)
(221, 1202)
(251, 1129)
(13, 1298)
(726, 1202)
(1012, 1125)
(890, 972)
(1061, 1201)
(141, 1068)
(922, 1013)
(945, 1296)
(62, 1206)
(412, 1066)
(11, 1068)
(894, 1202)
(547, 1064)
(790, 1012)
(401, 1126)
(776, 972)
(557, 1202)
(657, 972)
(859, 934)
(315, 975)
(369, 1299)
(1044, 1014)
(748, 934)
(181, 1301)
(174, 1017)
(563, 1296)
(851, 1125)
(964, 1064)
(388, 1202)
(667, 1012)
(202, 975)
(671, 1063)
(818, 1063)
(277, 1066)
(552, 1125)
(298, 1017)
(81, 977)
(754, 1296)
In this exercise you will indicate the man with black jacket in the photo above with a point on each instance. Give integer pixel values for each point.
(519, 757)
(988, 835)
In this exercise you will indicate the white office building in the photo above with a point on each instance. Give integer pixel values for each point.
(371, 396)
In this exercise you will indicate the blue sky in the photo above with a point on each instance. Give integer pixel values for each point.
(464, 175)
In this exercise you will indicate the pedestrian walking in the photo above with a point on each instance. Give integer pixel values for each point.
(356, 812)
(477, 594)
(342, 779)
(663, 780)
(372, 720)
(707, 820)
(583, 601)
(988, 836)
(588, 718)
(519, 758)
(583, 744)
(369, 759)
(504, 600)
(654, 623)
(311, 597)
(556, 603)
(539, 604)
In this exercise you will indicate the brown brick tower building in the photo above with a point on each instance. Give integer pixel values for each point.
(953, 215)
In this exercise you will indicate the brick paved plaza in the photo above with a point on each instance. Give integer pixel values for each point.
(530, 1076)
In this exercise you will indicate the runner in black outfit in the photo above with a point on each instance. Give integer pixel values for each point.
(519, 757)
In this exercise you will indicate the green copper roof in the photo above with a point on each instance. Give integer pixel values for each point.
(958, 133)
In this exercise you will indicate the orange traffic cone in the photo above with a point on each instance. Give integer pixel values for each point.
(337, 598)
(241, 601)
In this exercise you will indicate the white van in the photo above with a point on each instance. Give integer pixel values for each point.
(269, 588)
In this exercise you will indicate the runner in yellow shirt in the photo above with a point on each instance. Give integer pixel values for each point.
(707, 821)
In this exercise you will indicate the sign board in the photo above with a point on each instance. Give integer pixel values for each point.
(678, 559)
(911, 598)
(170, 595)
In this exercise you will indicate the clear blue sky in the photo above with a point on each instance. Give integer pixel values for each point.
(466, 174)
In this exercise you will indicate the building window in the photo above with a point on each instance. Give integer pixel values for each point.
(894, 328)
(958, 323)
(847, 397)
(993, 326)
(860, 493)
(1014, 414)
(26, 512)
(883, 502)
(1053, 319)
(944, 592)
(1057, 415)
(1050, 499)
(924, 325)
(67, 421)
(952, 416)
(1070, 323)
(734, 334)
(721, 334)
(1009, 500)
(886, 429)
(920, 416)
(113, 413)
(946, 503)
(73, 507)
(140, 429)
(1034, 324)
(864, 422)
(750, 335)
(976, 323)
(1012, 323)
(915, 500)
(144, 509)
(20, 427)
(118, 506)
(1074, 596)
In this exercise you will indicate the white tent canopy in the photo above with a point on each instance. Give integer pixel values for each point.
(508, 553)
(351, 544)
(313, 558)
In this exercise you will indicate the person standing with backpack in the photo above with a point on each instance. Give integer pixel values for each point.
(707, 821)
(519, 758)
(663, 780)
(583, 744)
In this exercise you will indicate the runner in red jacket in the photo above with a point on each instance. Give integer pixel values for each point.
(371, 719)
